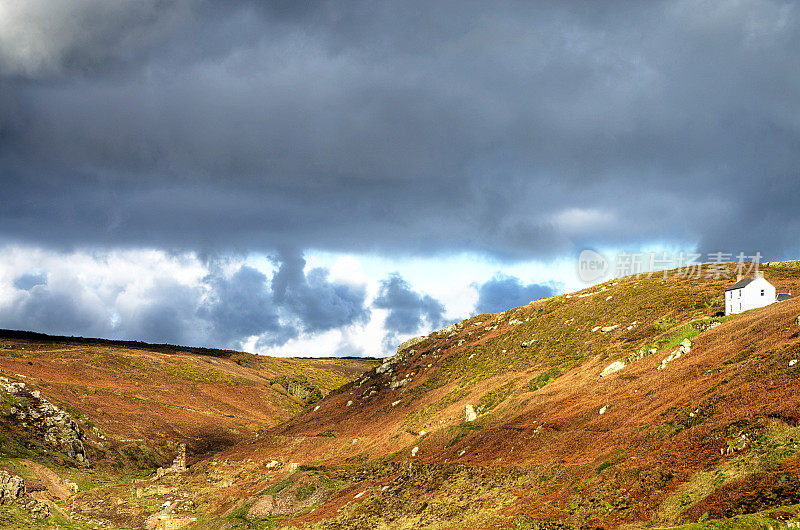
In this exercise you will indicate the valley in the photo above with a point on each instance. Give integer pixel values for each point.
(629, 404)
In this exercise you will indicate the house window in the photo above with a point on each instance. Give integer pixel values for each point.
(762, 292)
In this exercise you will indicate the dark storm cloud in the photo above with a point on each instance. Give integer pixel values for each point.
(319, 303)
(515, 129)
(409, 311)
(167, 314)
(224, 309)
(503, 292)
(241, 306)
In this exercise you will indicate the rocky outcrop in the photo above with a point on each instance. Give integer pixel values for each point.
(448, 329)
(403, 351)
(297, 385)
(409, 343)
(12, 488)
(705, 325)
(31, 411)
(12, 491)
(684, 348)
(306, 491)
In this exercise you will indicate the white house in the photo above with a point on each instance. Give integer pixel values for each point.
(749, 293)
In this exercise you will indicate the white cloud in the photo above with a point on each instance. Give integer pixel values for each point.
(156, 296)
(583, 220)
(43, 38)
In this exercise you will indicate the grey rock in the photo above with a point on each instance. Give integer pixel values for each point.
(447, 330)
(12, 491)
(409, 343)
(12, 487)
(469, 414)
(48, 422)
(38, 509)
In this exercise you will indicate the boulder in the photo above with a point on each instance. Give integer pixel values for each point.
(385, 367)
(469, 414)
(686, 346)
(12, 487)
(39, 510)
(409, 343)
(672, 356)
(12, 491)
(397, 384)
(611, 368)
(635, 356)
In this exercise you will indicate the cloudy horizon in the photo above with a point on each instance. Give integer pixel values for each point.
(329, 178)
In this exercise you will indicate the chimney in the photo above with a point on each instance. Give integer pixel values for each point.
(759, 274)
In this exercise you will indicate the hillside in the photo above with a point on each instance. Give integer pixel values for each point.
(553, 440)
(133, 403)
(585, 416)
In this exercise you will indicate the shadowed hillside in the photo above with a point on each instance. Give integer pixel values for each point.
(93, 409)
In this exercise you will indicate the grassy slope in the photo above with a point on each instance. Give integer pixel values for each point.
(540, 450)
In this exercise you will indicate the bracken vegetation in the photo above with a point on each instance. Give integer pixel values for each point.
(709, 438)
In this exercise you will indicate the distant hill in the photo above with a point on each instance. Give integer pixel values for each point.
(142, 399)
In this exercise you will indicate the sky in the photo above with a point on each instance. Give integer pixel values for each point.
(332, 177)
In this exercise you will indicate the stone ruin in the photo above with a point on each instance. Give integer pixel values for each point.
(178, 464)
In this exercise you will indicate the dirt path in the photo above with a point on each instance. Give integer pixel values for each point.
(55, 485)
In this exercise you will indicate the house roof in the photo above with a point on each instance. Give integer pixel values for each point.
(782, 297)
(740, 284)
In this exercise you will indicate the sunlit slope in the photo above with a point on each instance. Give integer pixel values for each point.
(659, 439)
